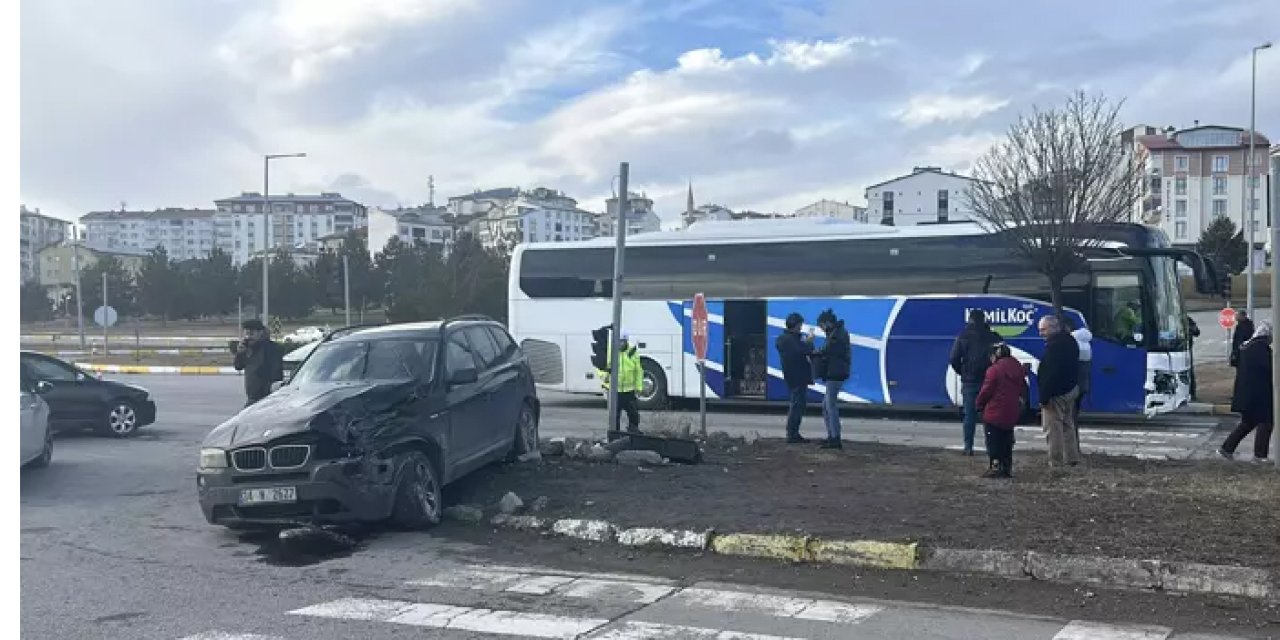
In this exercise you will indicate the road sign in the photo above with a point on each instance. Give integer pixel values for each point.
(1227, 318)
(105, 316)
(700, 328)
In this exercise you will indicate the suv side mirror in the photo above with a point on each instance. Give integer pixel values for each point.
(43, 387)
(467, 375)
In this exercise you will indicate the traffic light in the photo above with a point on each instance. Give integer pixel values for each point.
(600, 348)
(1226, 286)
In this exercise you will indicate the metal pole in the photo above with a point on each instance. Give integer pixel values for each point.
(346, 286)
(1275, 352)
(702, 397)
(239, 311)
(615, 336)
(75, 259)
(106, 350)
(266, 238)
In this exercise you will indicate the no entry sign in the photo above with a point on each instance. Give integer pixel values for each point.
(1227, 318)
(700, 327)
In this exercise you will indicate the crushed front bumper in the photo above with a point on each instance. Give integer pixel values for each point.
(327, 491)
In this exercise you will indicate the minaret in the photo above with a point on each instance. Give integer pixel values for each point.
(688, 207)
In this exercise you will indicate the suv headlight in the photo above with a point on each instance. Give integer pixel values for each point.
(213, 458)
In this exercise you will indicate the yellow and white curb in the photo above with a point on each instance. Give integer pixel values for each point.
(132, 369)
(1161, 575)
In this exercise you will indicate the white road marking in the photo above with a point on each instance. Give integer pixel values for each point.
(438, 616)
(776, 605)
(625, 588)
(1081, 630)
(656, 631)
(221, 635)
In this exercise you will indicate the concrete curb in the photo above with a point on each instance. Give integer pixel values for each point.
(1180, 577)
(53, 338)
(144, 370)
(1207, 409)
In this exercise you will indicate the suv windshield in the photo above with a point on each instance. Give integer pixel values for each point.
(384, 359)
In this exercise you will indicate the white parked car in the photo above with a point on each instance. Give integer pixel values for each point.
(305, 335)
(36, 438)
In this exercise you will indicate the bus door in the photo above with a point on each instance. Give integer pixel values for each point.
(746, 363)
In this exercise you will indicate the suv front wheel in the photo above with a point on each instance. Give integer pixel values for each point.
(418, 501)
(526, 437)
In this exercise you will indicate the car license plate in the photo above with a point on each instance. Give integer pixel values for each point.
(268, 495)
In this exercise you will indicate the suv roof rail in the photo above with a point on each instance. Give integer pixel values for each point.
(342, 331)
(465, 317)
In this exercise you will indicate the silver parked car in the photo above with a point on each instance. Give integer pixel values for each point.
(36, 437)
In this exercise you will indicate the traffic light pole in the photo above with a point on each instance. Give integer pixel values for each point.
(346, 286)
(615, 336)
(1275, 352)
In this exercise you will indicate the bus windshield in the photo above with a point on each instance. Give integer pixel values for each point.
(1170, 323)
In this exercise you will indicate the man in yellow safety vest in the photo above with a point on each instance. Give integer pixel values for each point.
(631, 381)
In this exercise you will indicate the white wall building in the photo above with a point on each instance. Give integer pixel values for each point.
(185, 234)
(640, 219)
(707, 213)
(926, 195)
(421, 224)
(296, 220)
(833, 209)
(523, 215)
(38, 231)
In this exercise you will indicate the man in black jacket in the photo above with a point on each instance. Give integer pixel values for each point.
(261, 360)
(970, 357)
(1241, 335)
(794, 349)
(832, 364)
(1057, 381)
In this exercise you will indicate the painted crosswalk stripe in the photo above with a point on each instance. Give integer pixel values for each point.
(1081, 630)
(776, 605)
(222, 635)
(441, 616)
(657, 631)
(513, 580)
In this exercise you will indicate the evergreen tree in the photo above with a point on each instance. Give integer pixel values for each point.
(1225, 245)
(33, 302)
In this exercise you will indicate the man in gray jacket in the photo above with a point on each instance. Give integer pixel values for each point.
(261, 360)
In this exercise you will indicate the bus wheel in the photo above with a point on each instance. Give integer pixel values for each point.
(653, 392)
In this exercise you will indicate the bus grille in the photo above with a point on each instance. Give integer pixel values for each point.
(545, 360)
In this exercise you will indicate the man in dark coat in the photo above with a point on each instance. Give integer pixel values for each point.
(970, 357)
(1241, 335)
(794, 349)
(1252, 397)
(1057, 382)
(832, 365)
(261, 360)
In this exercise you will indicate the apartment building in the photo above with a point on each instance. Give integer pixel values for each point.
(185, 234)
(425, 224)
(296, 221)
(833, 209)
(512, 214)
(640, 219)
(38, 231)
(57, 263)
(927, 195)
(1196, 175)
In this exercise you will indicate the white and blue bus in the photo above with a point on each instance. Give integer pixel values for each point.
(903, 292)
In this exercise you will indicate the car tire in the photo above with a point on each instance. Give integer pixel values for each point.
(418, 500)
(46, 456)
(121, 420)
(526, 437)
(653, 393)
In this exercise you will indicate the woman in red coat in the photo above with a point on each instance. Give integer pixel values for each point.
(1001, 401)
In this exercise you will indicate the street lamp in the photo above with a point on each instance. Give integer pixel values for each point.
(1249, 169)
(266, 224)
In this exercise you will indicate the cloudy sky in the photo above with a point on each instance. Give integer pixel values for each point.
(763, 104)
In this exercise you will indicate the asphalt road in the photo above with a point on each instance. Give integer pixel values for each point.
(114, 546)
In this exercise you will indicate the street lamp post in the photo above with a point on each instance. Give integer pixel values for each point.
(267, 230)
(1250, 168)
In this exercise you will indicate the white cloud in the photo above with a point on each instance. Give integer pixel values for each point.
(927, 109)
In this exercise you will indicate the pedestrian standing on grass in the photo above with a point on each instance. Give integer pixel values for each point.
(1058, 387)
(970, 357)
(1252, 397)
(630, 382)
(831, 365)
(261, 360)
(1004, 389)
(794, 349)
(1241, 335)
(1193, 332)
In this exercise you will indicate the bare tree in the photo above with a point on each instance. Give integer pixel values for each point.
(1061, 173)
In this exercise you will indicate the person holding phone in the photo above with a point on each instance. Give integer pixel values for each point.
(261, 360)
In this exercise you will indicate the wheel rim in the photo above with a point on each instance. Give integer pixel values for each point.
(528, 430)
(425, 488)
(648, 387)
(48, 447)
(122, 419)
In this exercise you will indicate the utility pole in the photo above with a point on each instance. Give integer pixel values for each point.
(106, 350)
(619, 251)
(75, 261)
(1250, 168)
(346, 285)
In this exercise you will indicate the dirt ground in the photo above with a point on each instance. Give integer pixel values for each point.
(1205, 511)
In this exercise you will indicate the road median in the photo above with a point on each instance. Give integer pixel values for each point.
(1113, 523)
(133, 369)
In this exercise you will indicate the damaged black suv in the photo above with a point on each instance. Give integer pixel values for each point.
(371, 427)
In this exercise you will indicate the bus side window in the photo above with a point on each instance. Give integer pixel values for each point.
(1117, 308)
